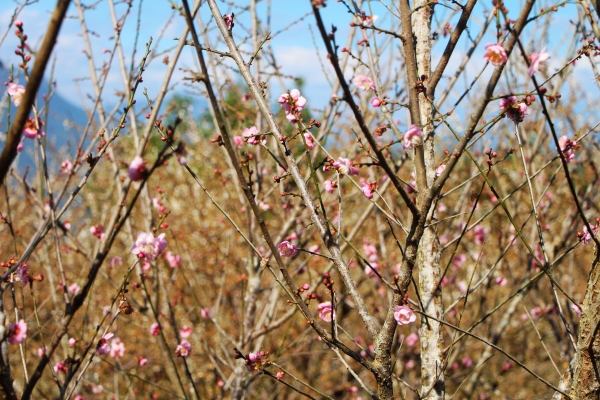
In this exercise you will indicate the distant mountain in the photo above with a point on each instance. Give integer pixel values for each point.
(63, 122)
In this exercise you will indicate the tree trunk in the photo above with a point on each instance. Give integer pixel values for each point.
(432, 352)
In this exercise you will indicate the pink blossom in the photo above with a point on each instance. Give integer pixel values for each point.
(462, 286)
(413, 137)
(279, 374)
(66, 166)
(137, 169)
(536, 60)
(293, 104)
(23, 274)
(329, 185)
(117, 348)
(326, 312)
(501, 281)
(495, 54)
(576, 309)
(74, 289)
(536, 312)
(310, 142)
(142, 361)
(115, 262)
(31, 130)
(205, 313)
(228, 18)
(97, 231)
(72, 342)
(148, 247)
(157, 203)
(103, 346)
(16, 93)
(586, 237)
(185, 331)
(173, 260)
(20, 146)
(314, 249)
(412, 339)
(459, 260)
(238, 141)
(41, 351)
(364, 83)
(410, 364)
(184, 348)
(155, 329)
(286, 249)
(440, 170)
(376, 102)
(566, 147)
(480, 234)
(17, 332)
(344, 167)
(404, 315)
(514, 112)
(251, 135)
(367, 189)
(61, 367)
(467, 362)
(507, 365)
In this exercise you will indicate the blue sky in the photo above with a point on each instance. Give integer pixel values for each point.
(294, 47)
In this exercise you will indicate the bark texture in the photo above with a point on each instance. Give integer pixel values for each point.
(428, 257)
(586, 371)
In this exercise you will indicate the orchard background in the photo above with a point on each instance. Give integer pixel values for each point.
(299, 199)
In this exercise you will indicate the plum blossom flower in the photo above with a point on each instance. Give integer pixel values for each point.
(74, 289)
(72, 342)
(566, 147)
(467, 362)
(184, 348)
(173, 260)
(41, 351)
(115, 262)
(279, 374)
(440, 170)
(20, 146)
(576, 309)
(501, 281)
(329, 186)
(137, 169)
(344, 167)
(495, 54)
(97, 231)
(413, 137)
(376, 102)
(364, 83)
(536, 60)
(480, 234)
(205, 313)
(252, 135)
(404, 315)
(142, 361)
(155, 329)
(412, 339)
(185, 331)
(117, 348)
(368, 188)
(16, 93)
(514, 112)
(238, 141)
(148, 247)
(326, 312)
(31, 131)
(255, 361)
(61, 366)
(228, 18)
(286, 249)
(293, 104)
(586, 237)
(17, 332)
(23, 274)
(66, 166)
(310, 142)
(103, 346)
